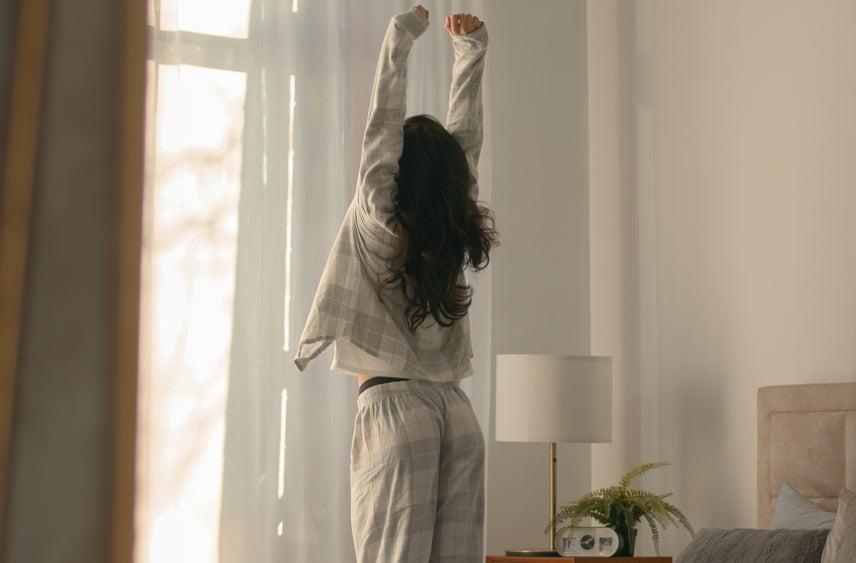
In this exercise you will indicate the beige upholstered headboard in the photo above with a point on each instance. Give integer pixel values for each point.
(807, 438)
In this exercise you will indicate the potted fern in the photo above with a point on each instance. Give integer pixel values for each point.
(622, 508)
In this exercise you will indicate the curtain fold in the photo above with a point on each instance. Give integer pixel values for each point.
(256, 112)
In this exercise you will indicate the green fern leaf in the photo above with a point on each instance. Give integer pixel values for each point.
(641, 469)
(655, 533)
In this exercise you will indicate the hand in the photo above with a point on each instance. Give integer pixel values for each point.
(422, 11)
(461, 24)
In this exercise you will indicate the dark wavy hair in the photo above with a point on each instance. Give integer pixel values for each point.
(442, 228)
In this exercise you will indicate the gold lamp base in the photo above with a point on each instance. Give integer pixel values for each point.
(543, 552)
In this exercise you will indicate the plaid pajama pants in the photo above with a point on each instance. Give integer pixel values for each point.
(417, 475)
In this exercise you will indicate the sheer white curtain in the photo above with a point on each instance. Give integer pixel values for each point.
(256, 111)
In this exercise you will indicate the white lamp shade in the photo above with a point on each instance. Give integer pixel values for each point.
(553, 398)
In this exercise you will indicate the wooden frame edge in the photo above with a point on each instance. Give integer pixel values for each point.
(129, 212)
(21, 158)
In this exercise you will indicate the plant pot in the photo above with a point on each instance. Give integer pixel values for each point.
(627, 535)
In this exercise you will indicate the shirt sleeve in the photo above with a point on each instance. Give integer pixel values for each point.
(383, 141)
(465, 117)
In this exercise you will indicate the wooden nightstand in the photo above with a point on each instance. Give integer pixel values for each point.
(505, 559)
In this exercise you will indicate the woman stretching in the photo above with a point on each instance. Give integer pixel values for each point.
(394, 299)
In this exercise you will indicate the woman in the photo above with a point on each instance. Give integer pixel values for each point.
(393, 298)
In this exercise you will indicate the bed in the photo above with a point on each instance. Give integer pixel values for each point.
(807, 439)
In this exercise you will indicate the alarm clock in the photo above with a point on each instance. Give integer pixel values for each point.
(591, 542)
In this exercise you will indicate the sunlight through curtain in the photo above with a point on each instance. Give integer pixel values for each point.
(255, 115)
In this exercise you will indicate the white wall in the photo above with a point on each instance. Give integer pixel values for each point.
(723, 240)
(536, 68)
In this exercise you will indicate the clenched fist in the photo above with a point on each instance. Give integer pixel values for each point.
(461, 24)
(421, 9)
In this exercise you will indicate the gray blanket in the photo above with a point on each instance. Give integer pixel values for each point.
(756, 546)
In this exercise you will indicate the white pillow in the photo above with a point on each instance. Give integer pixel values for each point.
(795, 512)
(841, 541)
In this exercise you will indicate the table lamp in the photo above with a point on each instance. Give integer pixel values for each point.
(552, 398)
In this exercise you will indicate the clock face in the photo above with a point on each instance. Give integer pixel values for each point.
(587, 542)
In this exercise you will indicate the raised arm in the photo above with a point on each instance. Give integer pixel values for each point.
(465, 117)
(383, 141)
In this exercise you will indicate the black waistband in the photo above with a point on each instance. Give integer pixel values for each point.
(378, 379)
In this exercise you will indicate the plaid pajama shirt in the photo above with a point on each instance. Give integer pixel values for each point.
(349, 304)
